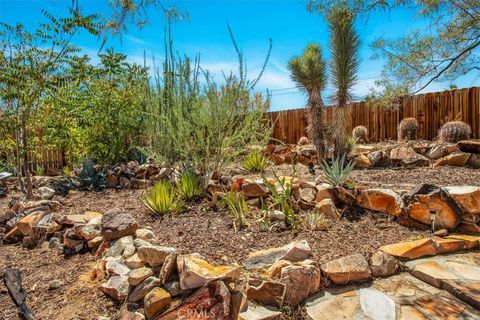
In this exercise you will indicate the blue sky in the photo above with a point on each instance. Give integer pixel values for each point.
(287, 22)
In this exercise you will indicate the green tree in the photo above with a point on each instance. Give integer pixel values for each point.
(345, 60)
(308, 72)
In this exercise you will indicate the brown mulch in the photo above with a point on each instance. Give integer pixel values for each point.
(207, 231)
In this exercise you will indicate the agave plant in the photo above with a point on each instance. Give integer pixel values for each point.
(315, 221)
(238, 208)
(161, 199)
(255, 162)
(338, 173)
(350, 143)
(190, 184)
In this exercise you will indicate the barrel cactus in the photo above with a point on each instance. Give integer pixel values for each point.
(360, 134)
(407, 129)
(454, 131)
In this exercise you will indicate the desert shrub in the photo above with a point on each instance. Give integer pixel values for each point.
(255, 162)
(40, 171)
(350, 143)
(162, 198)
(315, 221)
(192, 118)
(454, 131)
(360, 133)
(407, 129)
(190, 184)
(236, 203)
(338, 173)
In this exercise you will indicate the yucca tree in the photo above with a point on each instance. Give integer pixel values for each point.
(345, 60)
(308, 72)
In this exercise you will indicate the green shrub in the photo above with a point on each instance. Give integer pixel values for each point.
(350, 143)
(40, 171)
(162, 198)
(190, 184)
(238, 208)
(338, 173)
(454, 131)
(255, 162)
(407, 129)
(315, 221)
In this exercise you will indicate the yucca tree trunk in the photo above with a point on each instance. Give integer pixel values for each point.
(315, 123)
(340, 129)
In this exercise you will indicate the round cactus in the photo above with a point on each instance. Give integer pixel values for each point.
(407, 129)
(360, 133)
(454, 131)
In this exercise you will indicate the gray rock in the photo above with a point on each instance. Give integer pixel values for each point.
(383, 264)
(142, 289)
(377, 305)
(116, 287)
(45, 193)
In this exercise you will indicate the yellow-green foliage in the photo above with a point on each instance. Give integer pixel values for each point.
(360, 133)
(162, 198)
(350, 143)
(190, 185)
(454, 131)
(407, 129)
(315, 221)
(238, 208)
(255, 162)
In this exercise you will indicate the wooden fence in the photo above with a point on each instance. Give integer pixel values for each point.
(50, 158)
(431, 110)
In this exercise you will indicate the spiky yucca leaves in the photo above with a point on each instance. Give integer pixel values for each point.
(360, 133)
(407, 129)
(308, 72)
(350, 144)
(255, 162)
(316, 221)
(454, 131)
(238, 208)
(338, 173)
(162, 198)
(190, 184)
(344, 45)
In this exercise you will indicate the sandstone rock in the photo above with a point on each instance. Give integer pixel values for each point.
(426, 198)
(471, 146)
(474, 161)
(457, 159)
(337, 307)
(116, 287)
(301, 280)
(432, 273)
(127, 315)
(139, 183)
(168, 268)
(90, 231)
(470, 242)
(45, 193)
(411, 250)
(117, 224)
(448, 245)
(276, 159)
(362, 162)
(134, 262)
(468, 228)
(441, 233)
(468, 291)
(276, 215)
(175, 290)
(441, 150)
(383, 265)
(441, 306)
(116, 267)
(118, 246)
(195, 272)
(323, 192)
(154, 255)
(383, 200)
(258, 312)
(212, 300)
(26, 224)
(156, 301)
(308, 194)
(143, 288)
(70, 241)
(406, 156)
(464, 270)
(378, 158)
(468, 197)
(135, 277)
(327, 207)
(112, 180)
(294, 251)
(95, 242)
(347, 269)
(254, 189)
(377, 305)
(145, 234)
(266, 292)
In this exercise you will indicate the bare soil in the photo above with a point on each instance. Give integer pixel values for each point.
(205, 230)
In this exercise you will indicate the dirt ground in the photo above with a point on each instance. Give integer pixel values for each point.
(202, 229)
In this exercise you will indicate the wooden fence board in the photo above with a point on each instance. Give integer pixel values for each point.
(431, 111)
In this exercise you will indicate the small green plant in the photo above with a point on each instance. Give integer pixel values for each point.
(238, 208)
(88, 178)
(40, 171)
(281, 198)
(190, 184)
(360, 133)
(315, 221)
(67, 171)
(454, 131)
(161, 199)
(407, 129)
(255, 162)
(350, 143)
(338, 173)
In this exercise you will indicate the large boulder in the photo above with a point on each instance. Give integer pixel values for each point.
(428, 199)
(294, 251)
(117, 224)
(116, 287)
(327, 207)
(255, 189)
(474, 161)
(347, 269)
(441, 150)
(468, 197)
(471, 146)
(135, 277)
(156, 301)
(457, 159)
(383, 265)
(411, 249)
(195, 272)
(407, 157)
(266, 292)
(383, 200)
(212, 302)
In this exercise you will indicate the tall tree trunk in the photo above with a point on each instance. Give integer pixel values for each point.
(340, 129)
(26, 161)
(315, 123)
(18, 166)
